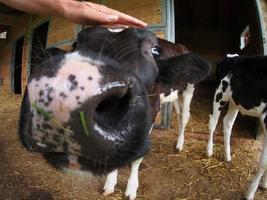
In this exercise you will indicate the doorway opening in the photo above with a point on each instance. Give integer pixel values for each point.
(212, 29)
(17, 67)
(39, 38)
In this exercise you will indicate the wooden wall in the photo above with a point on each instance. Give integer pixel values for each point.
(264, 11)
(62, 33)
(153, 12)
(147, 10)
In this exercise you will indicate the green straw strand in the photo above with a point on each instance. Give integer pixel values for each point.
(82, 117)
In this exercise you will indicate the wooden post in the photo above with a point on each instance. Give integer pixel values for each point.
(25, 54)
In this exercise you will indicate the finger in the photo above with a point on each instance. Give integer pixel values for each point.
(92, 17)
(127, 19)
(122, 18)
(100, 17)
(82, 13)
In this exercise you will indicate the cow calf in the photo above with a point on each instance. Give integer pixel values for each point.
(242, 84)
(90, 108)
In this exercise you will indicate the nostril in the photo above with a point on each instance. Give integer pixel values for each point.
(110, 87)
(114, 106)
(116, 110)
(113, 102)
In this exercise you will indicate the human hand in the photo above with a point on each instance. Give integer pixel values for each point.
(85, 13)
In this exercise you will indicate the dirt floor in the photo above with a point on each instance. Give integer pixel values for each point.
(163, 175)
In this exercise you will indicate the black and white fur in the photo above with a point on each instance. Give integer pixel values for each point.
(90, 108)
(242, 84)
(180, 95)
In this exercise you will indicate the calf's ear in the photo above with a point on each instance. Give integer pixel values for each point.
(188, 68)
(169, 49)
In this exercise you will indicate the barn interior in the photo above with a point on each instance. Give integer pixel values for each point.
(216, 28)
(18, 45)
(210, 28)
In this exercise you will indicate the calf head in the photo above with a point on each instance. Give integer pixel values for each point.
(134, 49)
(88, 108)
(85, 108)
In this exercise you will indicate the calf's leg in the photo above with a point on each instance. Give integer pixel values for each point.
(220, 99)
(228, 122)
(111, 182)
(184, 115)
(264, 178)
(132, 185)
(262, 168)
(214, 117)
(133, 181)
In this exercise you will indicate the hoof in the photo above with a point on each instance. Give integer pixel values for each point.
(227, 159)
(128, 198)
(262, 187)
(209, 154)
(106, 192)
(177, 150)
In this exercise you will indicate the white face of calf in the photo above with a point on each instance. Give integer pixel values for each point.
(77, 80)
(88, 107)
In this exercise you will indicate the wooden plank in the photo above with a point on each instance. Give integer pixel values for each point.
(2, 43)
(11, 20)
(150, 11)
(159, 34)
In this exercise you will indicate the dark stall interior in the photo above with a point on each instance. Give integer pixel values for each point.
(18, 66)
(212, 29)
(39, 44)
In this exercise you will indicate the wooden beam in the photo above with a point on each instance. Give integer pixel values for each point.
(3, 43)
(11, 20)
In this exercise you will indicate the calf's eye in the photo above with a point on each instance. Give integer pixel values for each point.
(155, 51)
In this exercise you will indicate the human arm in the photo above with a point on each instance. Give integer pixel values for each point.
(85, 13)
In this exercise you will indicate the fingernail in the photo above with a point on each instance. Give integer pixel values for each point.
(113, 18)
(144, 24)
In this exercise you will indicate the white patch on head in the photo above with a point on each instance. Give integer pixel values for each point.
(231, 55)
(86, 73)
(170, 98)
(116, 30)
